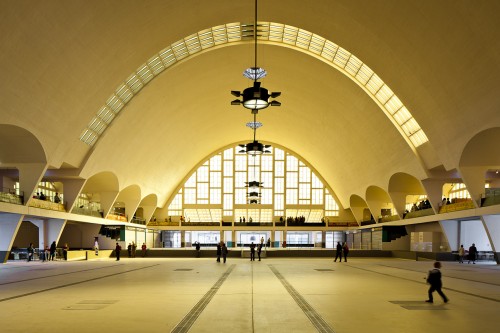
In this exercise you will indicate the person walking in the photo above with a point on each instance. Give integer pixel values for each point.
(46, 254)
(472, 254)
(224, 251)
(198, 249)
(134, 249)
(338, 252)
(31, 252)
(434, 279)
(65, 251)
(129, 250)
(118, 250)
(259, 250)
(143, 248)
(252, 252)
(219, 251)
(345, 251)
(96, 245)
(52, 250)
(461, 254)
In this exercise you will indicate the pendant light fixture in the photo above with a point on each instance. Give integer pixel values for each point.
(256, 97)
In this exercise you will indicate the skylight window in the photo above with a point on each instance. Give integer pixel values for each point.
(302, 40)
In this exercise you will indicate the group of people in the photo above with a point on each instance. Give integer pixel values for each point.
(243, 219)
(296, 219)
(48, 253)
(221, 250)
(41, 196)
(471, 254)
(259, 249)
(131, 248)
(341, 249)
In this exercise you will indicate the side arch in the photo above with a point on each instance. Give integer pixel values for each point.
(379, 202)
(102, 187)
(480, 162)
(400, 186)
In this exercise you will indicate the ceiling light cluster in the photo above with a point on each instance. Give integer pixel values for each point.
(255, 98)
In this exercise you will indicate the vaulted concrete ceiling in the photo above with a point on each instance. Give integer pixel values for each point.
(61, 60)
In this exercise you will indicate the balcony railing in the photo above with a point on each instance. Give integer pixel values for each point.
(10, 196)
(418, 213)
(492, 197)
(46, 204)
(456, 205)
(117, 217)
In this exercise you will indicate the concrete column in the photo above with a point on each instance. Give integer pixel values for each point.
(107, 201)
(148, 212)
(29, 177)
(451, 230)
(9, 225)
(399, 202)
(434, 190)
(183, 238)
(131, 205)
(474, 179)
(233, 236)
(284, 236)
(375, 208)
(71, 190)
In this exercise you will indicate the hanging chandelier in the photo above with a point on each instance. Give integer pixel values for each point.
(256, 97)
(255, 147)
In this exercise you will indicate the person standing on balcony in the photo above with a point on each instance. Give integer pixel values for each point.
(56, 198)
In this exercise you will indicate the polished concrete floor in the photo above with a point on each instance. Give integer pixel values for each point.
(273, 295)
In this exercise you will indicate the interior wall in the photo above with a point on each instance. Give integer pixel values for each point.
(399, 244)
(72, 236)
(27, 233)
(473, 232)
(81, 236)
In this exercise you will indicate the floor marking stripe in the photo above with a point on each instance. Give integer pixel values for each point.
(48, 276)
(447, 276)
(73, 284)
(188, 321)
(407, 279)
(315, 318)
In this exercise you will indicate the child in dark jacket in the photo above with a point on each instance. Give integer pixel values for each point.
(434, 279)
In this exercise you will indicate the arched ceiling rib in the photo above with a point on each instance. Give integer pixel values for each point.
(278, 34)
(61, 59)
